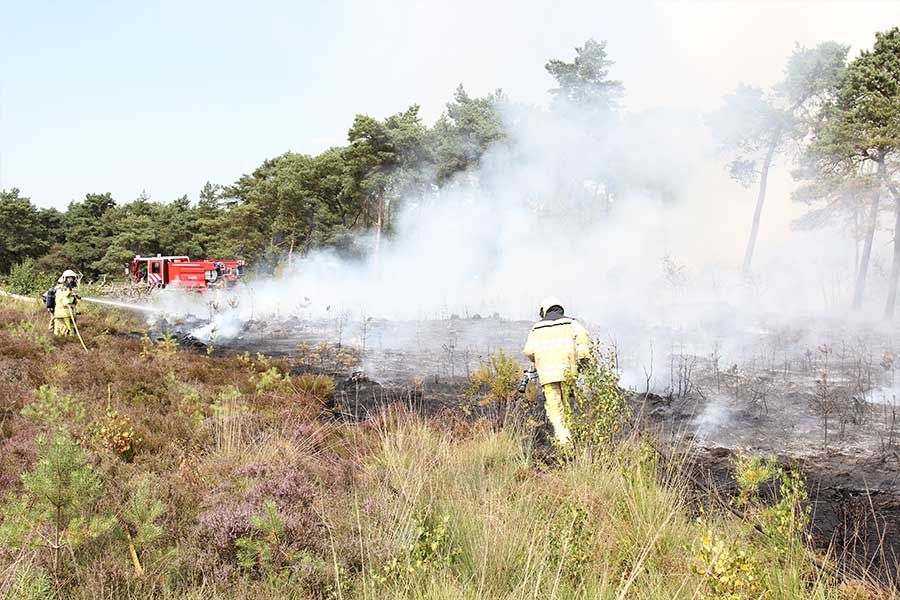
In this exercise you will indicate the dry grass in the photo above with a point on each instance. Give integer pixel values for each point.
(393, 507)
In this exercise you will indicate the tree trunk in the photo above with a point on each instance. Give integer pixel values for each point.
(895, 267)
(379, 218)
(855, 241)
(291, 250)
(867, 246)
(760, 201)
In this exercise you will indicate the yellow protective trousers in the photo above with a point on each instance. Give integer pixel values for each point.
(555, 395)
(63, 326)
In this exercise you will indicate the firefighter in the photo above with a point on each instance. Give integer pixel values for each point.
(557, 344)
(64, 300)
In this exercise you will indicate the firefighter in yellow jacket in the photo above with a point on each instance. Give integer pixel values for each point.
(65, 298)
(556, 344)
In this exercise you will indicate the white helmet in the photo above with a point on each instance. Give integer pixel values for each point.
(548, 303)
(67, 273)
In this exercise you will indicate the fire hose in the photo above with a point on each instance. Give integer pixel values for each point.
(75, 326)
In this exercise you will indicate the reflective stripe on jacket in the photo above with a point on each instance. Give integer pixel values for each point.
(556, 347)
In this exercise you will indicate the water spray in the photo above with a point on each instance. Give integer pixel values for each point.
(125, 305)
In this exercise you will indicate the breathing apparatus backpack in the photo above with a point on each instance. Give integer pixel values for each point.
(49, 299)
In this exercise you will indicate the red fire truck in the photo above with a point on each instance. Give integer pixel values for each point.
(183, 273)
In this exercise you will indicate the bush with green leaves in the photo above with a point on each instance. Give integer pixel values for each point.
(730, 570)
(786, 518)
(431, 549)
(27, 278)
(599, 409)
(493, 388)
(571, 539)
(271, 381)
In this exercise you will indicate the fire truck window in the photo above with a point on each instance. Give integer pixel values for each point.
(155, 268)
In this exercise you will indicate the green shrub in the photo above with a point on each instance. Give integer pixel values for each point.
(431, 550)
(571, 539)
(263, 549)
(599, 410)
(55, 512)
(116, 433)
(494, 386)
(495, 380)
(786, 520)
(26, 278)
(54, 410)
(730, 571)
(270, 381)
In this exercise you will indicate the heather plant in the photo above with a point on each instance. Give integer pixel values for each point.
(35, 333)
(56, 510)
(262, 549)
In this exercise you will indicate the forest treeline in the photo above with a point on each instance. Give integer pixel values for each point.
(835, 120)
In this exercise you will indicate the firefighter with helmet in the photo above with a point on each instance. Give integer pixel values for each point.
(61, 301)
(556, 345)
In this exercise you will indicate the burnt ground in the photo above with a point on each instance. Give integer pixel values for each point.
(824, 400)
(855, 495)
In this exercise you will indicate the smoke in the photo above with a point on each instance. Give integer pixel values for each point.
(651, 265)
(535, 220)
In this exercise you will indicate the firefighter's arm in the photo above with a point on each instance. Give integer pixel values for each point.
(528, 351)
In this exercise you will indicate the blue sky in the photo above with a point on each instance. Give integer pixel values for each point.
(100, 96)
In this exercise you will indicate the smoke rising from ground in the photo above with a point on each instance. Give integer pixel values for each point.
(533, 221)
(652, 264)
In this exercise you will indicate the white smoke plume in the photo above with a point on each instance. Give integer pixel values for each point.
(658, 272)
(530, 223)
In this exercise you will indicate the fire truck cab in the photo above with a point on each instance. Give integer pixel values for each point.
(184, 273)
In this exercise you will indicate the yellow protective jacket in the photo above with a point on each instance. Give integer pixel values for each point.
(555, 346)
(65, 298)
